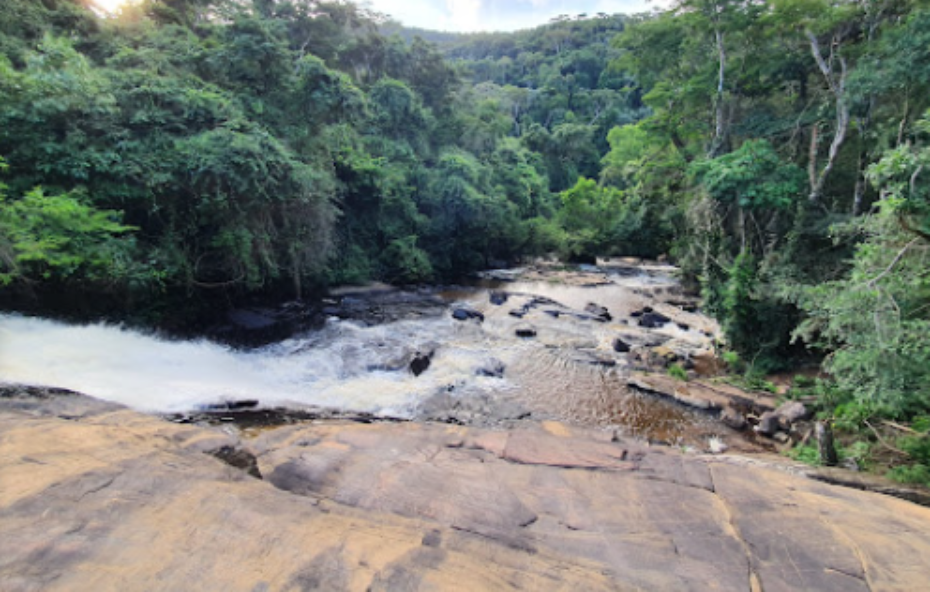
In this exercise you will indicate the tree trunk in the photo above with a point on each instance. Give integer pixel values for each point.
(824, 434)
(720, 126)
(837, 83)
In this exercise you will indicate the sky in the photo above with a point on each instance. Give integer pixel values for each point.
(500, 15)
(484, 15)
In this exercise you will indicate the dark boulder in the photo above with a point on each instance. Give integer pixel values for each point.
(498, 298)
(621, 346)
(239, 459)
(598, 311)
(653, 320)
(422, 358)
(526, 332)
(465, 313)
(420, 363)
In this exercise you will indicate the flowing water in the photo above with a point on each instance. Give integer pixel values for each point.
(569, 370)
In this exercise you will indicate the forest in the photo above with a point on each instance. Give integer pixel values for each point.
(188, 152)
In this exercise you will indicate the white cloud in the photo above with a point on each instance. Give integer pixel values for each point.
(465, 15)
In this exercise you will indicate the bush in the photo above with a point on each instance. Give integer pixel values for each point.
(677, 372)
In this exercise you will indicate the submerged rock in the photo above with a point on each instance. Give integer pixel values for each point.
(492, 368)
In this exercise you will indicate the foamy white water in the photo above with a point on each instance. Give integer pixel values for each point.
(337, 367)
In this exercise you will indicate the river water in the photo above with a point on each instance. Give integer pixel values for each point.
(569, 370)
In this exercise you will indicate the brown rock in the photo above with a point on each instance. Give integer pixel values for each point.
(734, 419)
(111, 500)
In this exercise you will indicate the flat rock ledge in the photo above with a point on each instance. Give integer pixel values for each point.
(703, 394)
(97, 497)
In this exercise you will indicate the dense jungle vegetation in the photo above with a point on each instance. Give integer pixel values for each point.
(775, 150)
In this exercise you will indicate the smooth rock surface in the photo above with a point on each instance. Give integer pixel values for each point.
(96, 497)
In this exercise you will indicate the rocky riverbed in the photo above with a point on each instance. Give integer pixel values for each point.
(520, 432)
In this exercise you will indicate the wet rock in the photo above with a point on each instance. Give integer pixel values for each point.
(230, 405)
(593, 358)
(683, 327)
(378, 306)
(420, 363)
(553, 313)
(502, 275)
(525, 331)
(734, 419)
(261, 325)
(465, 313)
(598, 311)
(653, 320)
(238, 458)
(621, 346)
(498, 298)
(641, 338)
(492, 368)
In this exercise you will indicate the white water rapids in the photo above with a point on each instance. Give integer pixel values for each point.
(337, 367)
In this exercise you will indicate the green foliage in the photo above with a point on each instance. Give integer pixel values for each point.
(733, 361)
(601, 220)
(807, 454)
(876, 320)
(917, 447)
(916, 474)
(677, 372)
(406, 263)
(752, 177)
(57, 237)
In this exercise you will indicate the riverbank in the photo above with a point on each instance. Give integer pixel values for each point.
(100, 497)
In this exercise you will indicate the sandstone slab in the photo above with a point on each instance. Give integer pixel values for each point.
(96, 497)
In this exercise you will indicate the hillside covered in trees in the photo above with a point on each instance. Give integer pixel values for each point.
(777, 151)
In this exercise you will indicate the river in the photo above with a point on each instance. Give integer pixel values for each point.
(480, 371)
